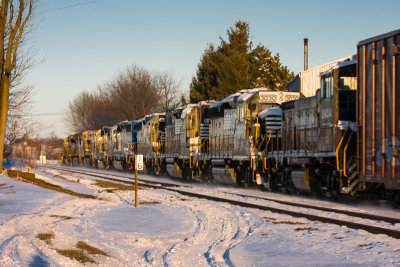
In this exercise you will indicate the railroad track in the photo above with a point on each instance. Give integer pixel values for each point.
(328, 219)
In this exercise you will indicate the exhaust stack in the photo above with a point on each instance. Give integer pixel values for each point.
(305, 53)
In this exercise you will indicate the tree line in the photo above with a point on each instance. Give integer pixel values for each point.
(232, 66)
(133, 93)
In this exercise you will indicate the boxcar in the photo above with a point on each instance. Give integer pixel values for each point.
(378, 110)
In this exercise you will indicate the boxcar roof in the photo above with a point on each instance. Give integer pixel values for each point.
(379, 37)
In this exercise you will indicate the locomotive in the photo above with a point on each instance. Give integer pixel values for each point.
(344, 140)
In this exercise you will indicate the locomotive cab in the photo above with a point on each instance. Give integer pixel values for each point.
(336, 103)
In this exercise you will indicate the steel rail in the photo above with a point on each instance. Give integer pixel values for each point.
(311, 217)
(302, 205)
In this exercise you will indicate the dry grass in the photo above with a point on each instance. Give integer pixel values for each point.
(305, 229)
(46, 237)
(80, 254)
(61, 216)
(28, 177)
(287, 222)
(76, 254)
(19, 174)
(152, 202)
(90, 249)
(110, 186)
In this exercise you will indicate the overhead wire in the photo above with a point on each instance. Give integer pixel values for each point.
(44, 114)
(71, 6)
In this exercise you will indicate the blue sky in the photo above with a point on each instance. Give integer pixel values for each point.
(85, 46)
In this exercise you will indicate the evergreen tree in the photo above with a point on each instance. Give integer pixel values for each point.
(234, 65)
(204, 83)
(234, 61)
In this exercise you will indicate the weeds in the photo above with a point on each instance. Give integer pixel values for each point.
(80, 254)
(152, 202)
(28, 177)
(305, 229)
(287, 222)
(76, 254)
(61, 216)
(113, 186)
(46, 237)
(89, 249)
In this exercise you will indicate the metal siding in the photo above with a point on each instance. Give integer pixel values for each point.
(378, 147)
(310, 80)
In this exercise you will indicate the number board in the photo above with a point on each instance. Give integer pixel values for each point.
(139, 162)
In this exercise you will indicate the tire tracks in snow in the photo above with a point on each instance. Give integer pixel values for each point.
(219, 229)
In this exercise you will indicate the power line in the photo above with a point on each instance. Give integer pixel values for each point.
(71, 6)
(44, 114)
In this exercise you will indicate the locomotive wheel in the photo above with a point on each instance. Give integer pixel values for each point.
(273, 182)
(394, 199)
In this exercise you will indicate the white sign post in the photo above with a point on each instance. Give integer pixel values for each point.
(139, 162)
(138, 166)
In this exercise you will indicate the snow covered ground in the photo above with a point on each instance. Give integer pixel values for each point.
(38, 227)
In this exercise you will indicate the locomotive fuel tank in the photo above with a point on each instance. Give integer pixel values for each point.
(301, 179)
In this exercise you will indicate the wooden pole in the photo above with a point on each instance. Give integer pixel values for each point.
(136, 181)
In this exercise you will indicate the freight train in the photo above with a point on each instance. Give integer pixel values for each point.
(344, 140)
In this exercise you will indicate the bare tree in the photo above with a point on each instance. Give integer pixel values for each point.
(19, 124)
(133, 93)
(89, 111)
(14, 17)
(167, 87)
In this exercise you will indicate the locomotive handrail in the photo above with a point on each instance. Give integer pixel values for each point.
(337, 151)
(266, 148)
(251, 157)
(261, 142)
(344, 154)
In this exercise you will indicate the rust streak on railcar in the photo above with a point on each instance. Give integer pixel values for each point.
(364, 113)
(394, 110)
(383, 108)
(373, 107)
(357, 112)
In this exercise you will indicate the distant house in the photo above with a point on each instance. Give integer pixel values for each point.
(308, 82)
(32, 149)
